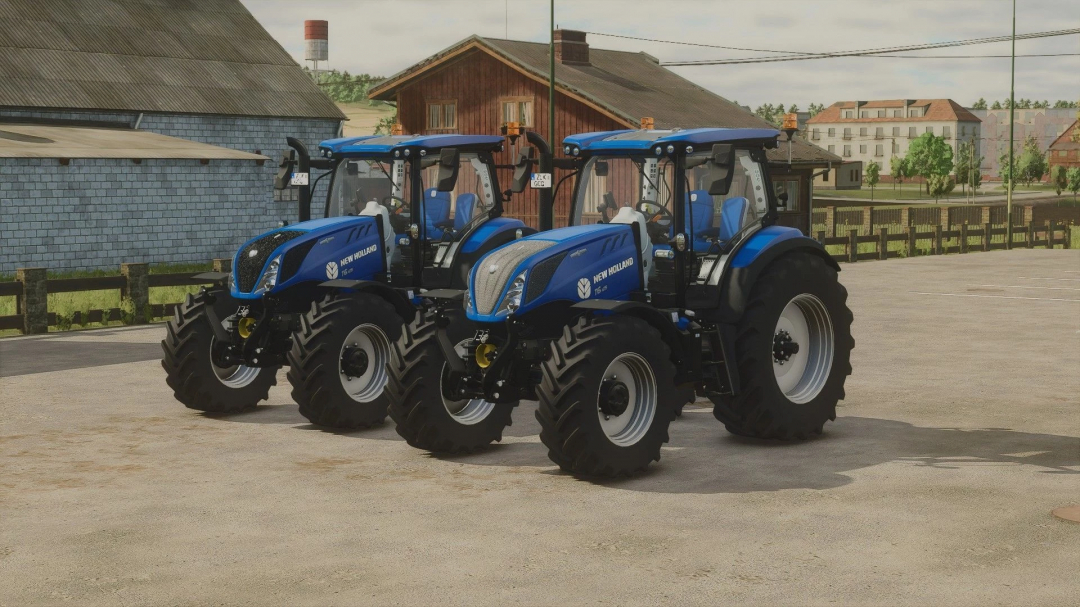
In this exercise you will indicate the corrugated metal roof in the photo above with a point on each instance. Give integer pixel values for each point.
(45, 141)
(629, 85)
(186, 56)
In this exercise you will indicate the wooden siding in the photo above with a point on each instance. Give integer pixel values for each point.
(478, 113)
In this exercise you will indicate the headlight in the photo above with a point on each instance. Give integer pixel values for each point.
(232, 281)
(467, 302)
(269, 279)
(512, 301)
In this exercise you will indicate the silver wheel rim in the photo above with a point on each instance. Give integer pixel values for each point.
(802, 375)
(236, 376)
(367, 386)
(632, 424)
(466, 412)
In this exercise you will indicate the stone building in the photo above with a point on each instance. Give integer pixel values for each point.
(143, 131)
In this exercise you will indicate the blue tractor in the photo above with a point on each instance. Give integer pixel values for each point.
(328, 297)
(672, 281)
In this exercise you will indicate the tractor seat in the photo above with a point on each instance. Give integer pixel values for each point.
(464, 210)
(436, 211)
(699, 217)
(733, 214)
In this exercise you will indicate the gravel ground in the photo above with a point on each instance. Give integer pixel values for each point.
(959, 435)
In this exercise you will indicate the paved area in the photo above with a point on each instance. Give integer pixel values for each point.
(935, 485)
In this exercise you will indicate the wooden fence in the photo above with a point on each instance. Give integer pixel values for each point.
(31, 290)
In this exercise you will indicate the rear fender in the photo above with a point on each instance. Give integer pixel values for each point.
(404, 307)
(751, 259)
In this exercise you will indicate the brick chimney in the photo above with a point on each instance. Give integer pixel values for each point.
(571, 47)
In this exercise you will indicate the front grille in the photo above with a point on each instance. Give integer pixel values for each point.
(541, 275)
(489, 282)
(294, 258)
(251, 259)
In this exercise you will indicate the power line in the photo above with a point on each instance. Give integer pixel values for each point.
(803, 56)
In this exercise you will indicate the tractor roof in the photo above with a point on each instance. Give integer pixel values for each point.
(644, 140)
(385, 144)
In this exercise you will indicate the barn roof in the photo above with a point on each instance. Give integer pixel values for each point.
(1065, 140)
(194, 56)
(625, 85)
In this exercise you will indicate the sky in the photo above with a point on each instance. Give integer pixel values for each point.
(381, 37)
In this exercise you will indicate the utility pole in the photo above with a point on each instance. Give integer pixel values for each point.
(1012, 118)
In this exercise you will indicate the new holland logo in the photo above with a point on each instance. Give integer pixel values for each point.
(331, 270)
(584, 288)
(357, 255)
(619, 267)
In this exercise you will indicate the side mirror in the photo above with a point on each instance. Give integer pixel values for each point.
(285, 170)
(723, 169)
(522, 171)
(449, 160)
(608, 203)
(352, 168)
(783, 198)
(600, 169)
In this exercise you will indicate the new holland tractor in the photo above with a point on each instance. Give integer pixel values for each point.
(328, 297)
(672, 280)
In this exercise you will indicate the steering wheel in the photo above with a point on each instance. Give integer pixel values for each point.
(657, 220)
(399, 219)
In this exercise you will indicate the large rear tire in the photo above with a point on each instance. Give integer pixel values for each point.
(425, 417)
(190, 371)
(792, 352)
(607, 397)
(337, 365)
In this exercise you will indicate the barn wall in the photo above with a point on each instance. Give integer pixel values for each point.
(478, 114)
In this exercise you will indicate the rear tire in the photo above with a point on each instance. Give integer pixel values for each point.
(196, 381)
(337, 365)
(799, 295)
(425, 418)
(585, 426)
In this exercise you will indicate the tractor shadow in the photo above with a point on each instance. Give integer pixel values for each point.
(289, 415)
(703, 458)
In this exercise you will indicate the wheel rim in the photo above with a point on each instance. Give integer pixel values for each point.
(626, 400)
(802, 348)
(466, 412)
(362, 363)
(235, 376)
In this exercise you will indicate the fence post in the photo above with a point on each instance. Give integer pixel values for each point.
(963, 238)
(137, 289)
(911, 241)
(1050, 227)
(985, 215)
(944, 218)
(1068, 237)
(223, 265)
(1031, 234)
(821, 237)
(830, 221)
(986, 231)
(937, 240)
(34, 301)
(905, 216)
(883, 243)
(853, 245)
(1028, 213)
(868, 220)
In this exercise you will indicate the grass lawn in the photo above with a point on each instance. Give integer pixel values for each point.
(66, 304)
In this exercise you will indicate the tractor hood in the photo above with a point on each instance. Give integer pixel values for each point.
(569, 264)
(310, 251)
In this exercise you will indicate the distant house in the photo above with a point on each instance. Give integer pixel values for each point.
(138, 131)
(875, 131)
(1065, 150)
(1044, 124)
(479, 84)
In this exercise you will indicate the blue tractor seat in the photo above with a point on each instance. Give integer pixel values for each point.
(464, 210)
(699, 217)
(733, 213)
(436, 211)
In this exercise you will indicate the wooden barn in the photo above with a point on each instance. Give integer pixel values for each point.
(479, 84)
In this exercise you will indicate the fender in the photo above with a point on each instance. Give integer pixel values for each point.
(401, 303)
(752, 257)
(656, 317)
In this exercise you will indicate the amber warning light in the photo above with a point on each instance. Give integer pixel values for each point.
(791, 121)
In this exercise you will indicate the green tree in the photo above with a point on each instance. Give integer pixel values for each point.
(344, 87)
(1004, 170)
(1074, 181)
(872, 175)
(898, 171)
(1062, 104)
(929, 155)
(976, 177)
(979, 105)
(996, 106)
(815, 109)
(940, 185)
(1060, 178)
(1032, 166)
(386, 124)
(966, 163)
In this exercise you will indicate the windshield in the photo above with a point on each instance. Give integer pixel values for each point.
(450, 215)
(358, 181)
(608, 183)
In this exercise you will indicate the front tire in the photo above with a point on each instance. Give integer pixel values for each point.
(196, 381)
(793, 352)
(425, 417)
(337, 365)
(607, 397)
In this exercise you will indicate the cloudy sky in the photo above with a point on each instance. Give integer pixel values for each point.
(384, 36)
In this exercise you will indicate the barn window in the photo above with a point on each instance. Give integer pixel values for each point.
(442, 114)
(516, 109)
